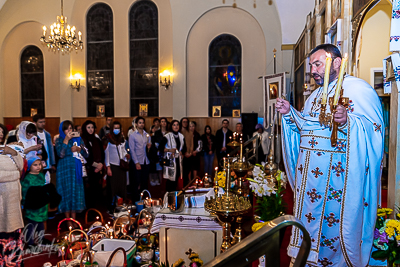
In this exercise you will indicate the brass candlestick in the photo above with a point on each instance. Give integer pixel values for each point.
(227, 207)
(344, 101)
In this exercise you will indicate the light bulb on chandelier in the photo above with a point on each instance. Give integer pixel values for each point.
(62, 36)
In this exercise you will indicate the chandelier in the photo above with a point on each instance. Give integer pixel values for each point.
(62, 37)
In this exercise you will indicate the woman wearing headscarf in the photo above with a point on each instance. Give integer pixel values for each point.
(114, 153)
(70, 148)
(27, 136)
(173, 145)
(94, 163)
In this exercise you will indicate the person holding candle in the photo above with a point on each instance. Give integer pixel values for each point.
(139, 145)
(336, 187)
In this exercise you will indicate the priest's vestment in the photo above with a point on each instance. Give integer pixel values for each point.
(336, 189)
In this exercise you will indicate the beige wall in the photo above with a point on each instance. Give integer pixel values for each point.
(20, 37)
(184, 26)
(229, 21)
(374, 39)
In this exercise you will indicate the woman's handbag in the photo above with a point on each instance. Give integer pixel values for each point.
(169, 170)
(122, 163)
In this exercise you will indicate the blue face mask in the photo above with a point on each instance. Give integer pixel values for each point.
(117, 131)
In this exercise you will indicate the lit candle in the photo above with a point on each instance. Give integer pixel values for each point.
(70, 251)
(340, 79)
(44, 30)
(111, 237)
(66, 238)
(80, 36)
(87, 245)
(62, 253)
(97, 218)
(326, 78)
(51, 30)
(70, 228)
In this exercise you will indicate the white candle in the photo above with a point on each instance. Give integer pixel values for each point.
(326, 77)
(340, 79)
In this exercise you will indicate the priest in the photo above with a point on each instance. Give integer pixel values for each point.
(336, 186)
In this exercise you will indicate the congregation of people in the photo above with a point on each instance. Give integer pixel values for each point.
(87, 163)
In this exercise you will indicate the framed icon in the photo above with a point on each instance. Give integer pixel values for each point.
(143, 110)
(236, 113)
(33, 111)
(216, 111)
(100, 110)
(273, 90)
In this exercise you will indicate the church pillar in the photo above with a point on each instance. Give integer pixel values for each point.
(394, 153)
(65, 88)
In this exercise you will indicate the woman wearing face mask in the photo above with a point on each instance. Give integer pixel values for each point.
(94, 163)
(69, 170)
(173, 145)
(115, 151)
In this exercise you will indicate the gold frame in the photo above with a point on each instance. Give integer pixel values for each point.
(236, 115)
(33, 111)
(218, 110)
(143, 110)
(100, 111)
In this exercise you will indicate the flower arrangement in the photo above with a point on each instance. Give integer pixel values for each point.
(269, 191)
(387, 237)
(195, 261)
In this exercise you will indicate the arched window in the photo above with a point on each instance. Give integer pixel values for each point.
(32, 81)
(143, 38)
(100, 60)
(224, 84)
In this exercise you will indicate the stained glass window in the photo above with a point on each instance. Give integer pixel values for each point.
(143, 38)
(100, 59)
(32, 81)
(224, 84)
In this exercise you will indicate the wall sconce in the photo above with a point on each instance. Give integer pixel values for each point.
(77, 77)
(165, 79)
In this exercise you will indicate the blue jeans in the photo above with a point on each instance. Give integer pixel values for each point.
(208, 163)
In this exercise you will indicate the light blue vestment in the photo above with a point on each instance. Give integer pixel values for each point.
(336, 189)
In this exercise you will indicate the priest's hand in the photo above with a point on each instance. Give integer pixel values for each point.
(340, 115)
(283, 106)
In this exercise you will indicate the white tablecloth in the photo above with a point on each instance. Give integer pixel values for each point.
(189, 218)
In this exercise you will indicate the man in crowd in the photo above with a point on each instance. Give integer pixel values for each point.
(222, 139)
(106, 128)
(40, 122)
(139, 142)
(336, 186)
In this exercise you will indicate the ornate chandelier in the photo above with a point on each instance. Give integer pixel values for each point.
(62, 37)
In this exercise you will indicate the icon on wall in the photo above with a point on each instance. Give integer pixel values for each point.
(143, 110)
(216, 111)
(236, 113)
(33, 111)
(100, 110)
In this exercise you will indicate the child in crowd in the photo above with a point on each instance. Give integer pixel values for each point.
(36, 218)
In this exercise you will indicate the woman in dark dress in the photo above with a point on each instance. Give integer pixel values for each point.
(208, 140)
(94, 164)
